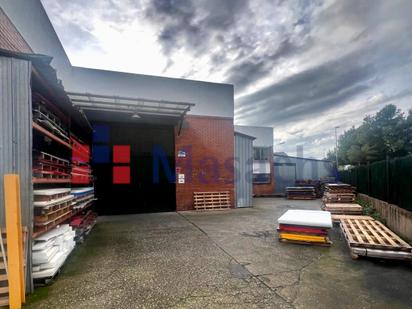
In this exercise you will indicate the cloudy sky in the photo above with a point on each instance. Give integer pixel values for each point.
(302, 67)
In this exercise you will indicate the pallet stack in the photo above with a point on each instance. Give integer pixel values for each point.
(211, 200)
(300, 193)
(309, 227)
(51, 207)
(47, 167)
(339, 199)
(316, 184)
(50, 251)
(368, 237)
(339, 193)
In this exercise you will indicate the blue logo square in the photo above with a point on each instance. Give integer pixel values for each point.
(101, 154)
(100, 134)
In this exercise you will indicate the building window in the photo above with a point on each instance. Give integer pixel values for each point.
(261, 153)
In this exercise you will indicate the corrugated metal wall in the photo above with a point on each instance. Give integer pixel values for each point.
(16, 137)
(307, 168)
(243, 170)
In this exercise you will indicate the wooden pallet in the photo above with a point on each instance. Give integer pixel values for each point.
(211, 200)
(44, 211)
(372, 234)
(44, 167)
(339, 188)
(48, 175)
(338, 217)
(50, 194)
(39, 230)
(51, 216)
(4, 284)
(289, 197)
(339, 197)
(343, 208)
(50, 159)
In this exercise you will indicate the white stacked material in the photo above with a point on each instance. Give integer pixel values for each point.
(305, 227)
(50, 251)
(83, 197)
(316, 218)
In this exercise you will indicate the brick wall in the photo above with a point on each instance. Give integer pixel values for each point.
(262, 189)
(208, 165)
(10, 38)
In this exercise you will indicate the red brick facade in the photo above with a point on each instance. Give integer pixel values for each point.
(10, 38)
(204, 154)
(265, 189)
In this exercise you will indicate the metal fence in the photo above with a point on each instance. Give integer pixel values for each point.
(388, 180)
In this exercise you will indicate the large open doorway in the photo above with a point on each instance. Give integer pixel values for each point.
(145, 192)
(148, 127)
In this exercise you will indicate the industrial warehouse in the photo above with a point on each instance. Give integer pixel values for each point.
(112, 174)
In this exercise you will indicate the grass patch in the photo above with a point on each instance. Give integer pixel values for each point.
(40, 293)
(368, 210)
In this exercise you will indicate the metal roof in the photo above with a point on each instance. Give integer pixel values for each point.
(128, 105)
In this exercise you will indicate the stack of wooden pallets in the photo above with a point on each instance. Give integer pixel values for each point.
(300, 193)
(316, 184)
(368, 237)
(51, 207)
(339, 193)
(339, 199)
(309, 227)
(211, 200)
(49, 167)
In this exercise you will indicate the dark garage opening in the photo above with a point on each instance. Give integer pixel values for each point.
(142, 194)
(144, 125)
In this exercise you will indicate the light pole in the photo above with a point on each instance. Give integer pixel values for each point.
(336, 146)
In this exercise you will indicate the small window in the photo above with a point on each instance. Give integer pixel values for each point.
(261, 178)
(261, 153)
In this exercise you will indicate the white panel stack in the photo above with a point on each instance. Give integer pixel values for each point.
(51, 250)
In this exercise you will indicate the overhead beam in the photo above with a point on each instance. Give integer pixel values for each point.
(90, 95)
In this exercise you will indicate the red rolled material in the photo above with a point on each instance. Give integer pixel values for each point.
(302, 229)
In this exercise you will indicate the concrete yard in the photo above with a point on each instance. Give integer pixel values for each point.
(220, 259)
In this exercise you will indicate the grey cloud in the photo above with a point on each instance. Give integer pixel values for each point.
(317, 89)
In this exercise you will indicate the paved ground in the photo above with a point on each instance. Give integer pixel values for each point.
(227, 259)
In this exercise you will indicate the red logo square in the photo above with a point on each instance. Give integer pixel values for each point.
(121, 154)
(121, 175)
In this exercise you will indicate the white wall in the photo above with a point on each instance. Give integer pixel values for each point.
(211, 99)
(264, 135)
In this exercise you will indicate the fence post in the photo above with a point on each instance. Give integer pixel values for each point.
(368, 179)
(387, 179)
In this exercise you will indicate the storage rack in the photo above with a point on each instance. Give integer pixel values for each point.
(61, 165)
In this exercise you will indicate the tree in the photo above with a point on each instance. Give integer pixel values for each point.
(388, 133)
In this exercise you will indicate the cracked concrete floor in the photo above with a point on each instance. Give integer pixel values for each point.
(222, 259)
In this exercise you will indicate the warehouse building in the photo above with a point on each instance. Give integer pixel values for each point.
(182, 116)
(135, 143)
(288, 169)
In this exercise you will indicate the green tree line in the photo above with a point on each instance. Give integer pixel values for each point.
(388, 133)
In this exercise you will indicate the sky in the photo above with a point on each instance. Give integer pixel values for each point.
(301, 67)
